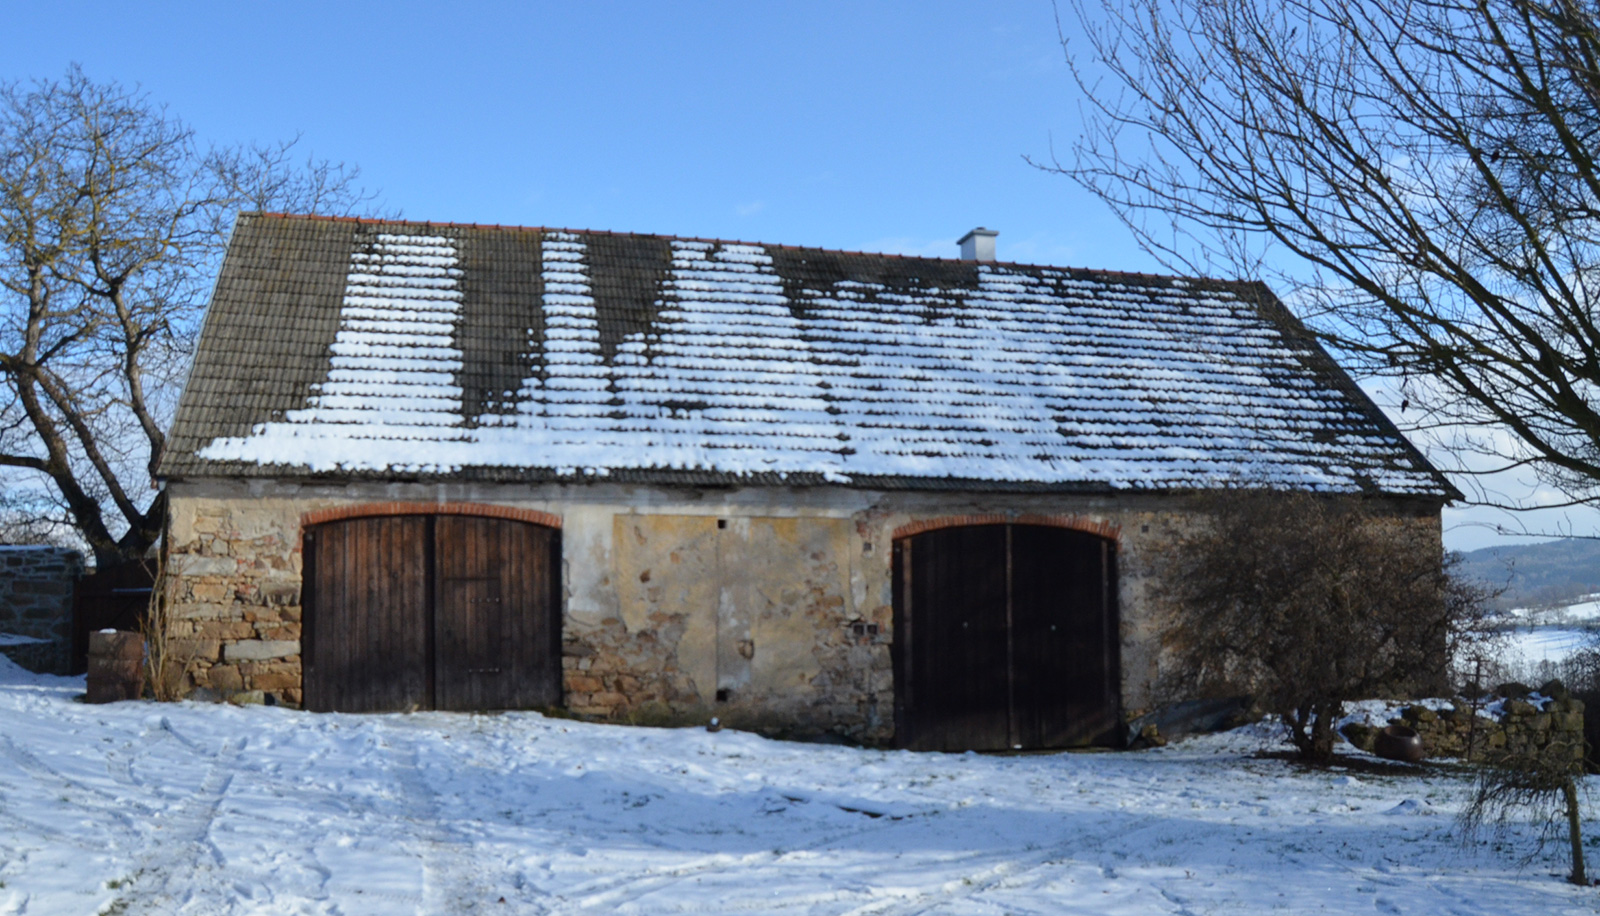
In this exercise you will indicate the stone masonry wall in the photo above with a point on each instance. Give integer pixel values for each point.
(769, 608)
(36, 590)
(1516, 720)
(233, 578)
(800, 665)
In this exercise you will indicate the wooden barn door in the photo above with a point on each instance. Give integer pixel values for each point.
(958, 696)
(1064, 638)
(431, 612)
(365, 640)
(498, 640)
(1006, 637)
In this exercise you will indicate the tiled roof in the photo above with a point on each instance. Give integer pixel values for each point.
(348, 348)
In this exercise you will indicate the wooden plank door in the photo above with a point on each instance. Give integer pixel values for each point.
(955, 658)
(365, 641)
(1065, 679)
(1005, 637)
(495, 622)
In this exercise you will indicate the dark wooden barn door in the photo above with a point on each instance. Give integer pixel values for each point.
(431, 612)
(498, 639)
(364, 643)
(959, 574)
(1064, 638)
(1006, 637)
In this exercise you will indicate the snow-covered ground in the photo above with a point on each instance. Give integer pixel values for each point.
(1548, 636)
(1579, 614)
(139, 808)
(1527, 647)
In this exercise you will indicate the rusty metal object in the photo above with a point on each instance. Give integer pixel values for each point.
(1398, 742)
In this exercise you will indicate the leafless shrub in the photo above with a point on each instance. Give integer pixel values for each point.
(1306, 602)
(1540, 783)
(165, 665)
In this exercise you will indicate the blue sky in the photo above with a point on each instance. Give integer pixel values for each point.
(876, 126)
(864, 126)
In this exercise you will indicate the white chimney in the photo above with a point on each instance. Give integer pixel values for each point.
(978, 245)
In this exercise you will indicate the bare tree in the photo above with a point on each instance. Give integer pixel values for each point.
(1420, 176)
(112, 221)
(1305, 602)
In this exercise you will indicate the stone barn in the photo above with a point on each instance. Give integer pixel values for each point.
(648, 479)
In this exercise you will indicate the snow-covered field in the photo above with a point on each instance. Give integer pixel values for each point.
(140, 808)
(1549, 636)
(1527, 647)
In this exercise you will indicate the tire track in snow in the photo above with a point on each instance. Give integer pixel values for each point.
(1019, 863)
(967, 885)
(180, 864)
(51, 782)
(606, 896)
(452, 880)
(119, 765)
(114, 837)
(333, 885)
(43, 772)
(610, 895)
(879, 902)
(329, 885)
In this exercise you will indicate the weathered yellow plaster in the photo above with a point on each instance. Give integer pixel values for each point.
(796, 577)
(667, 565)
(752, 594)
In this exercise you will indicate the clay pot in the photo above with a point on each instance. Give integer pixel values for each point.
(1399, 743)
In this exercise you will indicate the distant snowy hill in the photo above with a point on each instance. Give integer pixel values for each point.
(1552, 600)
(1550, 574)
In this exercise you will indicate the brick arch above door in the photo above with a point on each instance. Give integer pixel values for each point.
(1101, 528)
(486, 510)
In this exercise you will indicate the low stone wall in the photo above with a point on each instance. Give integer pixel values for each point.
(1514, 720)
(36, 588)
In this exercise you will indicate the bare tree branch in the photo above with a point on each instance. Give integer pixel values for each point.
(1420, 177)
(112, 221)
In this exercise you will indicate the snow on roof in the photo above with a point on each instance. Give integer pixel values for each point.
(377, 349)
